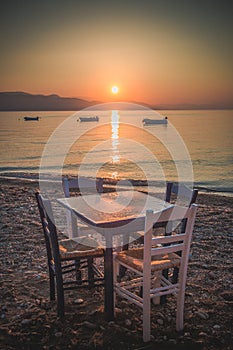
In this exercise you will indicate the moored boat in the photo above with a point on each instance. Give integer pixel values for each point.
(88, 119)
(31, 118)
(148, 121)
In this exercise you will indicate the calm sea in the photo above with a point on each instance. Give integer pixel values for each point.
(120, 149)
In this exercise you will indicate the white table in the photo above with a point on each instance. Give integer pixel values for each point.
(114, 213)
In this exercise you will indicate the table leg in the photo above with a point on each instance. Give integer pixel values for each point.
(125, 246)
(108, 275)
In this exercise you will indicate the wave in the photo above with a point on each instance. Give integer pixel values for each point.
(139, 184)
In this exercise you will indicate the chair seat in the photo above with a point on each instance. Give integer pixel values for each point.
(80, 247)
(134, 258)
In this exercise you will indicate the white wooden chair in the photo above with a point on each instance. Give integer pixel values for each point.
(84, 185)
(147, 263)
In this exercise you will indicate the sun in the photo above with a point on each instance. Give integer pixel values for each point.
(115, 89)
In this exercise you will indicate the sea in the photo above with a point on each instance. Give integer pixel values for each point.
(195, 146)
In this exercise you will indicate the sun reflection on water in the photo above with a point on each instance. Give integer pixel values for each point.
(115, 137)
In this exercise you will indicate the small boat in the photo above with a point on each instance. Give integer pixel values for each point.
(155, 121)
(88, 119)
(31, 118)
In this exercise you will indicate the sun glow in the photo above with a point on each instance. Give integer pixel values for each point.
(115, 89)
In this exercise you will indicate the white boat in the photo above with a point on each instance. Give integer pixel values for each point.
(148, 121)
(88, 119)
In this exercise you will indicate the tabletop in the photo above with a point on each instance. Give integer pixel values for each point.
(113, 209)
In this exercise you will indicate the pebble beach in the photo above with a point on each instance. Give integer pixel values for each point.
(28, 320)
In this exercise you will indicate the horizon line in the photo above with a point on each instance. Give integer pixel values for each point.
(169, 106)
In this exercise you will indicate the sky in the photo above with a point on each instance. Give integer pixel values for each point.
(154, 51)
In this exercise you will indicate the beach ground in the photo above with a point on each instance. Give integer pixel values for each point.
(28, 319)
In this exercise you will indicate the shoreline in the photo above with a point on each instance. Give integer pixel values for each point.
(34, 177)
(28, 319)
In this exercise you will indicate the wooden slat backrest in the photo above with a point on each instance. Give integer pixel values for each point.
(173, 243)
(49, 229)
(181, 190)
(82, 183)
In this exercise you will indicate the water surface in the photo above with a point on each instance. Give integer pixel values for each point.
(207, 135)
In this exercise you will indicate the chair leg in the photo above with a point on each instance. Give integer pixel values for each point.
(146, 308)
(90, 272)
(78, 272)
(164, 297)
(175, 275)
(51, 284)
(122, 269)
(156, 284)
(180, 310)
(60, 297)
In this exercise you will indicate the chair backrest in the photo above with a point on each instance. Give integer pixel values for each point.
(49, 229)
(176, 242)
(182, 191)
(82, 183)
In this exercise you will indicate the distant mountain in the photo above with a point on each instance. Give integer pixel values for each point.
(21, 101)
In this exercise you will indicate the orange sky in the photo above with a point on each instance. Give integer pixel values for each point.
(156, 52)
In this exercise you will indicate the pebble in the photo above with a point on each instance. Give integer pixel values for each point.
(216, 327)
(89, 325)
(202, 334)
(212, 275)
(128, 322)
(117, 311)
(25, 322)
(58, 334)
(160, 321)
(202, 315)
(160, 315)
(227, 295)
(78, 301)
(124, 303)
(92, 312)
(186, 334)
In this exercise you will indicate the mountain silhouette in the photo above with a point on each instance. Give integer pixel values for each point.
(22, 101)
